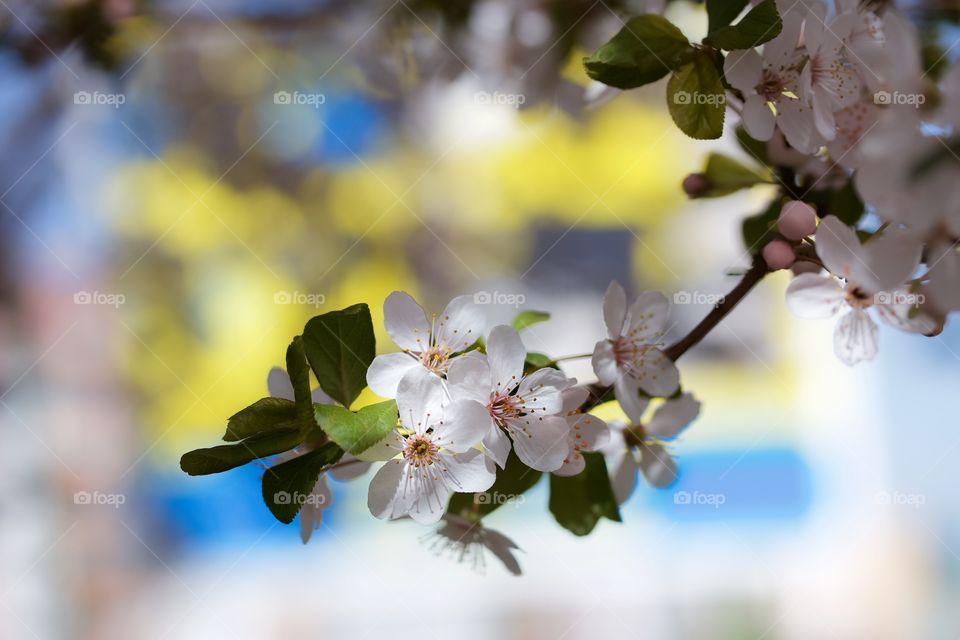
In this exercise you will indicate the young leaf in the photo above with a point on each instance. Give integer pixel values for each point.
(224, 457)
(525, 319)
(578, 502)
(760, 25)
(357, 432)
(721, 13)
(645, 50)
(299, 373)
(536, 361)
(286, 486)
(340, 346)
(726, 175)
(696, 98)
(512, 481)
(264, 415)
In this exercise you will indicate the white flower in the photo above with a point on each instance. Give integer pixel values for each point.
(658, 466)
(585, 432)
(944, 284)
(466, 541)
(861, 276)
(348, 468)
(429, 345)
(630, 359)
(431, 455)
(771, 88)
(520, 409)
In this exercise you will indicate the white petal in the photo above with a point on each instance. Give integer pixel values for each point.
(758, 119)
(840, 249)
(605, 362)
(420, 399)
(460, 325)
(743, 69)
(350, 467)
(572, 465)
(469, 472)
(465, 423)
(622, 470)
(627, 391)
(505, 354)
(573, 398)
(795, 120)
(278, 384)
(542, 391)
(387, 449)
(648, 316)
(658, 466)
(907, 317)
(614, 309)
(386, 372)
(319, 397)
(311, 513)
(855, 337)
(813, 296)
(594, 433)
(469, 379)
(406, 322)
(427, 494)
(657, 374)
(541, 443)
(383, 493)
(892, 257)
(497, 444)
(672, 417)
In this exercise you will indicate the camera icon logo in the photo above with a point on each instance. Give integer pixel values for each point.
(82, 497)
(482, 297)
(282, 297)
(681, 97)
(281, 497)
(82, 97)
(681, 497)
(682, 297)
(82, 297)
(282, 97)
(884, 297)
(882, 97)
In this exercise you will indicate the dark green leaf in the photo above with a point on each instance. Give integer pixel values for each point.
(726, 175)
(340, 346)
(512, 481)
(286, 486)
(759, 229)
(721, 13)
(846, 204)
(299, 373)
(525, 319)
(760, 25)
(224, 457)
(752, 146)
(645, 50)
(578, 502)
(264, 415)
(696, 98)
(357, 432)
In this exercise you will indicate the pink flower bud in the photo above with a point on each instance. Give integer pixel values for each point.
(778, 255)
(797, 220)
(695, 185)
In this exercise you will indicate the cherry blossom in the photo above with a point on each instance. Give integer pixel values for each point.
(521, 410)
(430, 345)
(586, 432)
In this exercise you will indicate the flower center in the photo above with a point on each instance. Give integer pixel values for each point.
(771, 86)
(503, 407)
(436, 359)
(628, 352)
(420, 451)
(858, 298)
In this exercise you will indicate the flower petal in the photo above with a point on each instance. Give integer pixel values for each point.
(627, 391)
(469, 379)
(542, 391)
(311, 513)
(278, 384)
(505, 354)
(840, 250)
(614, 309)
(460, 325)
(497, 444)
(648, 317)
(743, 69)
(813, 296)
(350, 467)
(384, 491)
(468, 472)
(622, 469)
(892, 256)
(406, 322)
(540, 443)
(758, 119)
(420, 399)
(658, 466)
(605, 362)
(386, 372)
(672, 417)
(855, 337)
(464, 425)
(657, 374)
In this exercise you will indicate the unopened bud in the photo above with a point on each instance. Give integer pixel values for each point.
(778, 255)
(696, 185)
(797, 220)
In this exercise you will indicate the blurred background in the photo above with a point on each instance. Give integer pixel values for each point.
(184, 183)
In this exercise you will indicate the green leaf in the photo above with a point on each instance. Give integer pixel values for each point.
(357, 432)
(760, 25)
(759, 229)
(721, 13)
(755, 148)
(340, 346)
(264, 415)
(536, 361)
(696, 98)
(299, 373)
(286, 486)
(578, 502)
(512, 481)
(224, 457)
(645, 50)
(525, 319)
(727, 176)
(846, 204)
